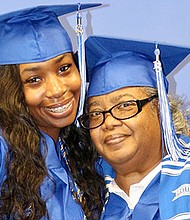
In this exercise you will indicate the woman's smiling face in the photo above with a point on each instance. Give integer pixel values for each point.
(135, 141)
(52, 91)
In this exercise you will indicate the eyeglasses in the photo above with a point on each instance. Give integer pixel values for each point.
(121, 111)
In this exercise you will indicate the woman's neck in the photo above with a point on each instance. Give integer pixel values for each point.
(52, 132)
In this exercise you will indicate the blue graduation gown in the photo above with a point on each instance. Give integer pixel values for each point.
(146, 209)
(167, 197)
(61, 205)
(175, 187)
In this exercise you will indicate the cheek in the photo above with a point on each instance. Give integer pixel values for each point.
(145, 125)
(33, 97)
(150, 128)
(76, 83)
(73, 83)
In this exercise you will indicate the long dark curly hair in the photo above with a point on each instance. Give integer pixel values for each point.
(25, 165)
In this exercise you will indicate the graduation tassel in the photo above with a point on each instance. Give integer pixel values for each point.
(81, 60)
(174, 147)
(76, 192)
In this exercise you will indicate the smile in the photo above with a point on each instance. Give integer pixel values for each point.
(114, 139)
(59, 109)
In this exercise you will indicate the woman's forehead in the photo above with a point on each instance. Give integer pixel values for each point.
(125, 93)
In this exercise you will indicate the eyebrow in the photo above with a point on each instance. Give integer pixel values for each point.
(36, 68)
(60, 58)
(95, 103)
(32, 69)
(117, 98)
(112, 99)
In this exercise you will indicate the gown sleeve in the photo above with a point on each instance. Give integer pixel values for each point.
(3, 152)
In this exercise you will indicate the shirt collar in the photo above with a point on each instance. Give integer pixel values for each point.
(136, 189)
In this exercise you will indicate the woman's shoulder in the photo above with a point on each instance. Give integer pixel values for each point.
(3, 153)
(104, 168)
(184, 139)
(3, 144)
(181, 165)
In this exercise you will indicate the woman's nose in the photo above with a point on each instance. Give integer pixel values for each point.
(110, 122)
(55, 88)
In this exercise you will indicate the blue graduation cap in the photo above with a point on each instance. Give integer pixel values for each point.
(117, 63)
(35, 34)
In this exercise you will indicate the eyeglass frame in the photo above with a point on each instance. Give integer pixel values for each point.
(140, 104)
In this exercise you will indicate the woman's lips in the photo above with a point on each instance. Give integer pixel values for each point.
(115, 139)
(58, 109)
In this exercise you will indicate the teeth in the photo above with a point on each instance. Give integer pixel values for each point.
(58, 109)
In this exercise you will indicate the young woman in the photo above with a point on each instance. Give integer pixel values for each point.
(46, 163)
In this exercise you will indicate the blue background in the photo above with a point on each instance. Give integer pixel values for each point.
(164, 21)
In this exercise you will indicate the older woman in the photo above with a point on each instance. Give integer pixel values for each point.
(130, 129)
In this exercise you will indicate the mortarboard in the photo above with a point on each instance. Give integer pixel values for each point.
(35, 34)
(129, 62)
(118, 63)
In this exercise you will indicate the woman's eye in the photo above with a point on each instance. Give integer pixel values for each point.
(64, 68)
(95, 114)
(126, 105)
(33, 80)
